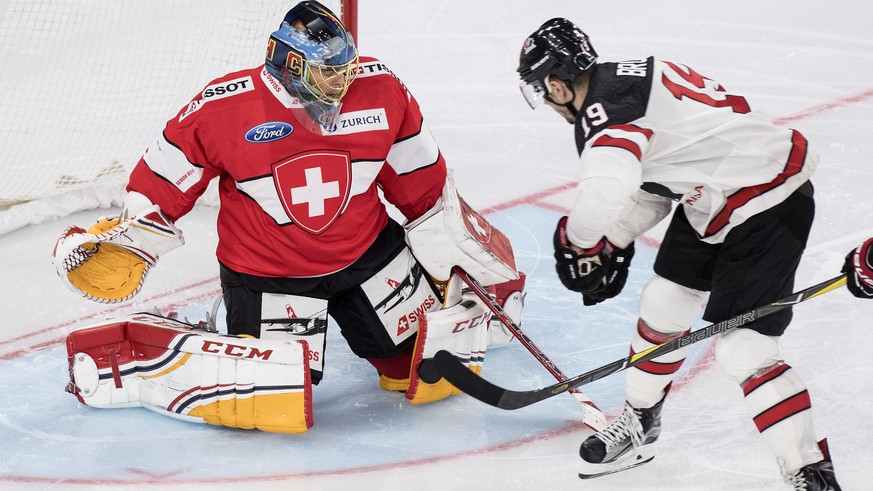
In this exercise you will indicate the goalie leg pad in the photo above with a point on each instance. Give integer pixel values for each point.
(169, 367)
(462, 330)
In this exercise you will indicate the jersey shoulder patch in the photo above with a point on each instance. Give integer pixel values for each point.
(230, 85)
(371, 67)
(618, 93)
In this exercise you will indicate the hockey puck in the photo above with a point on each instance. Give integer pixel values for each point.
(427, 372)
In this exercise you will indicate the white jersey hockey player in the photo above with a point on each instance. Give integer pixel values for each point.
(653, 133)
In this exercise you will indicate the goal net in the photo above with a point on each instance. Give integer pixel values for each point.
(86, 85)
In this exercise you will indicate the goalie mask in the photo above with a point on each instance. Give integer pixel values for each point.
(313, 55)
(557, 49)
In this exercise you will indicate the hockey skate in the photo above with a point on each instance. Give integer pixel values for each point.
(624, 444)
(815, 477)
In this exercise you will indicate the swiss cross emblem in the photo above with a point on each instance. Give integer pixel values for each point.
(402, 325)
(476, 225)
(314, 187)
(490, 238)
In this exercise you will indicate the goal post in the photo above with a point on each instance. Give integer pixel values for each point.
(86, 85)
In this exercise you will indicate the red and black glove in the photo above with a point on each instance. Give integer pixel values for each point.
(597, 273)
(859, 270)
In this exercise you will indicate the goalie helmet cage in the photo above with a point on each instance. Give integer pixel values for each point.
(87, 85)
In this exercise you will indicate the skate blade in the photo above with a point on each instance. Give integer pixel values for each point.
(643, 455)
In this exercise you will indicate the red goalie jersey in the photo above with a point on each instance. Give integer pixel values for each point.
(295, 203)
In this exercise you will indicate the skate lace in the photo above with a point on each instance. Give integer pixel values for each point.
(798, 481)
(626, 426)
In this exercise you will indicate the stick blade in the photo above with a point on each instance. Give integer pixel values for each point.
(478, 388)
(464, 379)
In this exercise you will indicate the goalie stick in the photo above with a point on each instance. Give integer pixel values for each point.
(592, 416)
(477, 387)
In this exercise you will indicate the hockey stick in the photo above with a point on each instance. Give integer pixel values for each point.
(592, 416)
(479, 388)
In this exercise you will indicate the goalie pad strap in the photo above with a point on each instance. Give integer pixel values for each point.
(454, 234)
(169, 367)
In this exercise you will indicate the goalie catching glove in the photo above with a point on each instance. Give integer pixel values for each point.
(597, 273)
(109, 262)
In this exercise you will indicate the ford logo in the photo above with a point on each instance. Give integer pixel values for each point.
(269, 132)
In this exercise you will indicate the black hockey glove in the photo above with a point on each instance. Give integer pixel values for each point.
(616, 276)
(579, 272)
(859, 270)
(596, 273)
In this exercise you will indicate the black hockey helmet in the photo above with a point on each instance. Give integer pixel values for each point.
(557, 49)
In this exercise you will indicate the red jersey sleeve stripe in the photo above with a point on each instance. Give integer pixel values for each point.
(608, 141)
(627, 144)
(743, 196)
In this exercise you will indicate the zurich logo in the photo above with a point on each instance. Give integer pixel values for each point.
(269, 132)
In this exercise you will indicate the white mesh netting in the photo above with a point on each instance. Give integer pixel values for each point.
(85, 86)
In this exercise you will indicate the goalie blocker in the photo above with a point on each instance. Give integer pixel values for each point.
(453, 234)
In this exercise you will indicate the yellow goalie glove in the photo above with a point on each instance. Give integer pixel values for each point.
(109, 262)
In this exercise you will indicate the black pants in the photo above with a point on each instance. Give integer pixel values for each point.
(347, 303)
(755, 265)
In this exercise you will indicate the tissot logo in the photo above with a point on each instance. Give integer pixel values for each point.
(269, 132)
(229, 88)
(218, 91)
